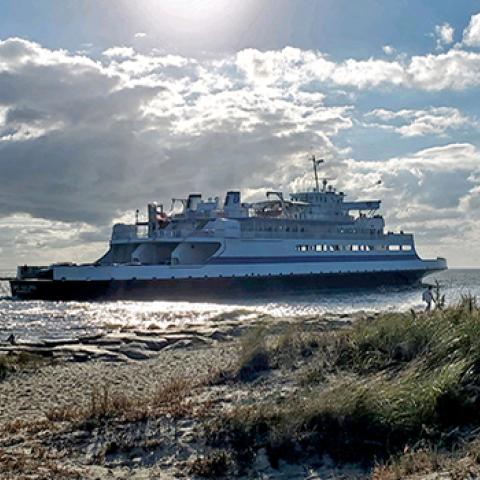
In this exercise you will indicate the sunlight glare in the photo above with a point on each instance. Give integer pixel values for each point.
(195, 10)
(190, 21)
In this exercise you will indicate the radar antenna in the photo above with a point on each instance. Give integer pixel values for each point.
(316, 163)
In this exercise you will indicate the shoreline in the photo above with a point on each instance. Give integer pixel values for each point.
(54, 376)
(268, 399)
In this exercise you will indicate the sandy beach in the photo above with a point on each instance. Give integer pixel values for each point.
(57, 379)
(230, 400)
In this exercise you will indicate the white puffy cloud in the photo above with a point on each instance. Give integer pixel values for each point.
(471, 35)
(140, 35)
(293, 65)
(119, 52)
(455, 70)
(444, 34)
(412, 123)
(388, 50)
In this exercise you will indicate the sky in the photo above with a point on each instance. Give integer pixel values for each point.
(108, 105)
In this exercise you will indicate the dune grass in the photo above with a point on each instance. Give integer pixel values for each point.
(370, 391)
(262, 350)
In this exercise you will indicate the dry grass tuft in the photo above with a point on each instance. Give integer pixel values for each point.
(216, 464)
(254, 357)
(37, 463)
(459, 464)
(171, 398)
(28, 426)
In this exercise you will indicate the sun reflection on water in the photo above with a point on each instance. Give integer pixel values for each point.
(39, 319)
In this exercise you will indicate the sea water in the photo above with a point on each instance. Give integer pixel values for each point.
(35, 319)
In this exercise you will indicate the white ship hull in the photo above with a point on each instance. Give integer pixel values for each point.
(245, 267)
(206, 282)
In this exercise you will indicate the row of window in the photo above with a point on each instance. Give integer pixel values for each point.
(278, 228)
(296, 229)
(350, 248)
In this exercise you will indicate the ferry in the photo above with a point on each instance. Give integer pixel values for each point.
(310, 240)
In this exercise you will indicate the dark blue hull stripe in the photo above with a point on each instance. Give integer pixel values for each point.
(207, 288)
(311, 259)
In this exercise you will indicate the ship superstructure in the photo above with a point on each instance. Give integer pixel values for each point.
(312, 239)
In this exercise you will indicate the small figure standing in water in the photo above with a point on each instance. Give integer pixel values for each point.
(427, 297)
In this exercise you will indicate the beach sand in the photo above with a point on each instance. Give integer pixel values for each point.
(41, 436)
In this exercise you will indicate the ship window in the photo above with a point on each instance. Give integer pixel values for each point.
(406, 248)
(394, 248)
(287, 229)
(354, 248)
(318, 248)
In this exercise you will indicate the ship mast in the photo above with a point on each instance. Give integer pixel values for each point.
(315, 165)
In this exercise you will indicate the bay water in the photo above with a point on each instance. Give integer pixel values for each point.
(29, 320)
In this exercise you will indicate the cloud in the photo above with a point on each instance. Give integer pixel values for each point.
(85, 141)
(453, 70)
(444, 35)
(388, 50)
(471, 35)
(119, 52)
(52, 241)
(412, 123)
(140, 35)
(434, 192)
